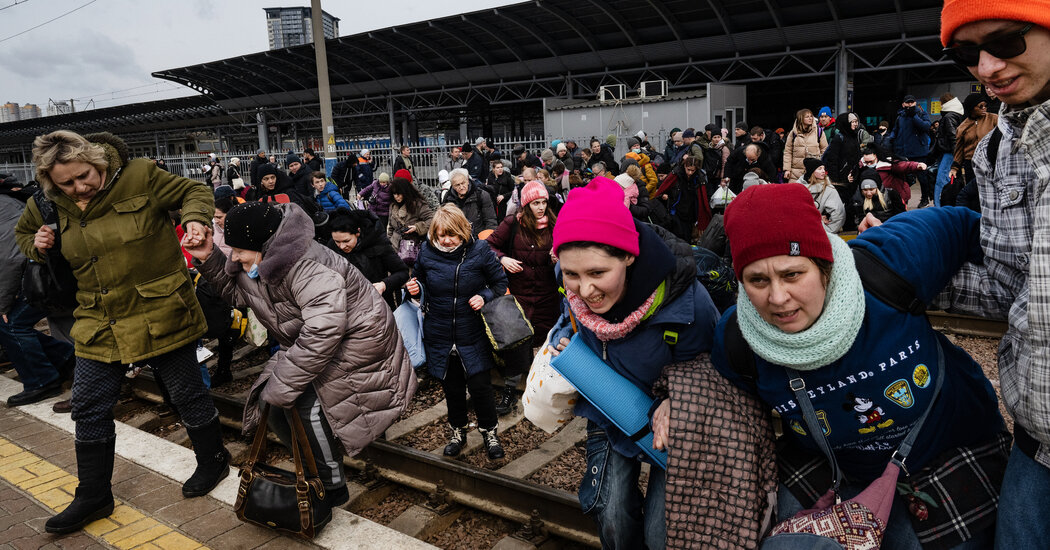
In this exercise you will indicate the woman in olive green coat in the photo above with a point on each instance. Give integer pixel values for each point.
(135, 300)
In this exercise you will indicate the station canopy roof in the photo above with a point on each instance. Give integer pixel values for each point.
(151, 116)
(547, 39)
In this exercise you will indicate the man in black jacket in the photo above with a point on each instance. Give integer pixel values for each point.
(313, 162)
(253, 169)
(944, 142)
(36, 357)
(473, 162)
(602, 152)
(752, 155)
(345, 173)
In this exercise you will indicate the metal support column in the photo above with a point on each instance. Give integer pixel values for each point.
(842, 77)
(393, 136)
(323, 91)
(264, 131)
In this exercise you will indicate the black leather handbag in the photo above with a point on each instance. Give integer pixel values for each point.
(290, 502)
(50, 286)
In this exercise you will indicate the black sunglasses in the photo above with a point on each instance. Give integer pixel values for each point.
(1007, 46)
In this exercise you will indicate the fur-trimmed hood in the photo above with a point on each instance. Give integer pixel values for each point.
(117, 157)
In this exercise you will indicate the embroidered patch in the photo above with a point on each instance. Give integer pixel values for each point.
(795, 425)
(900, 393)
(795, 249)
(822, 417)
(921, 376)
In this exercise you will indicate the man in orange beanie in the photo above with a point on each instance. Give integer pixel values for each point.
(1006, 45)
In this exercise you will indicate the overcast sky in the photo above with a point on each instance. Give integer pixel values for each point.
(107, 50)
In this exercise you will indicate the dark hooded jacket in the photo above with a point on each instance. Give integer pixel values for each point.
(685, 308)
(335, 334)
(502, 185)
(375, 257)
(449, 280)
(253, 169)
(688, 201)
(12, 261)
(612, 168)
(894, 203)
(736, 166)
(842, 157)
(476, 206)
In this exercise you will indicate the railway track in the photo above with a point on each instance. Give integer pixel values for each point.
(544, 512)
(966, 325)
(455, 485)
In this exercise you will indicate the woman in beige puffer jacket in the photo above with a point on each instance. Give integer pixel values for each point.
(805, 140)
(339, 346)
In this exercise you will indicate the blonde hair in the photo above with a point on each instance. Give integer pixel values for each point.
(869, 205)
(634, 171)
(450, 220)
(61, 147)
(800, 122)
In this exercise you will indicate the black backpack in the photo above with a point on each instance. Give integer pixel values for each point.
(876, 277)
(712, 161)
(50, 286)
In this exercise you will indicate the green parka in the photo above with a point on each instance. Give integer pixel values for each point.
(135, 298)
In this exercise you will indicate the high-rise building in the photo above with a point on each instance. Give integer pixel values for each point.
(289, 27)
(10, 112)
(29, 111)
(58, 108)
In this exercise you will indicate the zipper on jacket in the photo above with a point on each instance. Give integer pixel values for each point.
(605, 351)
(455, 299)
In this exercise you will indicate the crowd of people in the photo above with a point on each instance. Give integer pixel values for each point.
(825, 339)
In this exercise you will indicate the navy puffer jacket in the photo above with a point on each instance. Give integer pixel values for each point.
(449, 279)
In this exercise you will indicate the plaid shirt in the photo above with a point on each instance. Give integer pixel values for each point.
(1014, 281)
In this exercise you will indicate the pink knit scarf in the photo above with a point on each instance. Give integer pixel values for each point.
(540, 223)
(597, 324)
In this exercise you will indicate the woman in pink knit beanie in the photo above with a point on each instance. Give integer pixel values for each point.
(627, 284)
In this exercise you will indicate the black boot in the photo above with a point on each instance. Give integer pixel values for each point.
(94, 494)
(213, 460)
(492, 443)
(338, 496)
(456, 441)
(222, 376)
(505, 401)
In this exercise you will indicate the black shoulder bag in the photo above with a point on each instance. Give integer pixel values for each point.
(50, 286)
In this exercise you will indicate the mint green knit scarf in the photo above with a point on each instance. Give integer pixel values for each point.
(825, 341)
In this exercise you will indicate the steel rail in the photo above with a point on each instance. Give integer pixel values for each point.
(484, 490)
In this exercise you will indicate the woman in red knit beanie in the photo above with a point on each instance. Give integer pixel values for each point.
(869, 367)
(627, 284)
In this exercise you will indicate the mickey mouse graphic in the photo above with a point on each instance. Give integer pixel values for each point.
(867, 413)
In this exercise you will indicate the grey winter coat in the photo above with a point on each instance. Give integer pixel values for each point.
(335, 331)
(12, 262)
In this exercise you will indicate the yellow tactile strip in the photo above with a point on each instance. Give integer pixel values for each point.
(126, 528)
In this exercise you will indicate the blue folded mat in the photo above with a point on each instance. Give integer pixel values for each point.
(617, 398)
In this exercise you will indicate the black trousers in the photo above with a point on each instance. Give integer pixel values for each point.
(516, 360)
(455, 385)
(96, 387)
